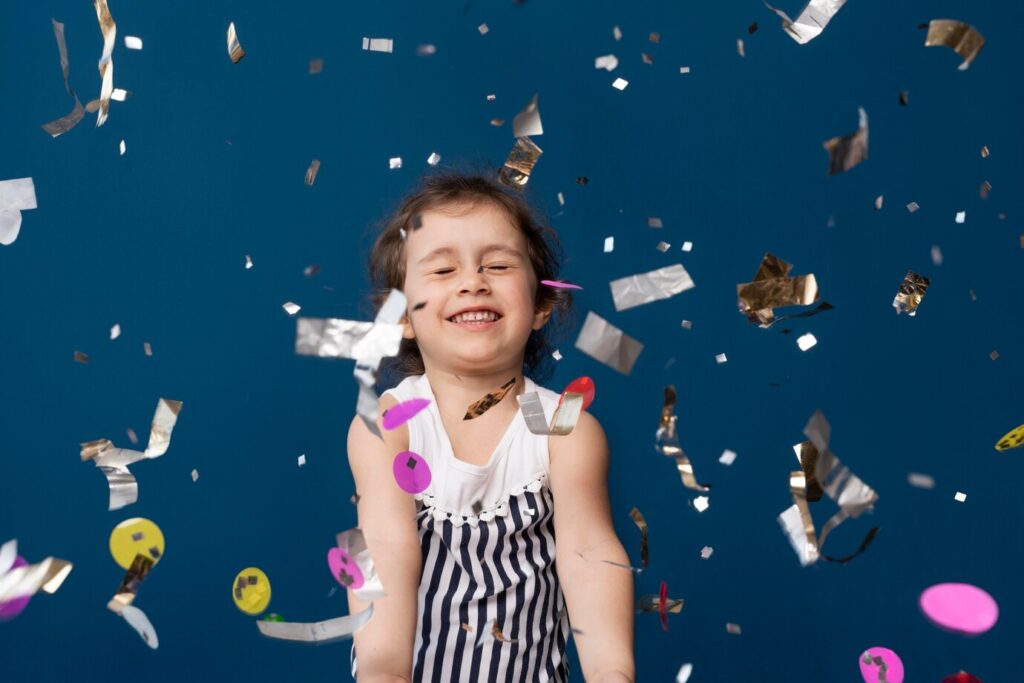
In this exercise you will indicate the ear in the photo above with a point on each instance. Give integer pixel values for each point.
(407, 331)
(541, 317)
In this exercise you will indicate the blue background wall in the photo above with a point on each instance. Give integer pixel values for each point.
(729, 156)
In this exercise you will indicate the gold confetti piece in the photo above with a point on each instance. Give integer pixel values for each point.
(483, 29)
(846, 151)
(607, 62)
(654, 37)
(395, 162)
(314, 168)
(811, 21)
(130, 584)
(652, 603)
(527, 122)
(498, 634)
(984, 189)
(316, 66)
(960, 497)
(666, 442)
(655, 222)
(984, 151)
(773, 287)
(378, 44)
(607, 344)
(81, 357)
(647, 59)
(106, 64)
(733, 629)
(641, 524)
(515, 173)
(491, 399)
(556, 354)
(910, 293)
(497, 122)
(921, 481)
(687, 246)
(114, 462)
(70, 120)
(620, 83)
(741, 50)
(563, 421)
(338, 338)
(235, 51)
(822, 473)
(147, 348)
(1011, 439)
(644, 288)
(956, 35)
(291, 308)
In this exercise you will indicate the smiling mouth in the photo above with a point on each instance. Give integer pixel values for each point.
(475, 318)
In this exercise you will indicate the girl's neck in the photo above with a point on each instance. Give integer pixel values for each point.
(456, 392)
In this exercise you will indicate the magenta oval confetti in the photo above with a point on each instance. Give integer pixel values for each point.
(344, 569)
(960, 607)
(400, 413)
(893, 666)
(411, 472)
(560, 285)
(12, 608)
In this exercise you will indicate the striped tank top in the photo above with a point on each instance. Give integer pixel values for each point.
(488, 545)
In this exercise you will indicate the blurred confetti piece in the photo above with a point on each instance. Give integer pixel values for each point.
(132, 436)
(984, 151)
(560, 285)
(164, 419)
(68, 121)
(609, 244)
(960, 608)
(961, 677)
(28, 579)
(910, 293)
(684, 69)
(752, 29)
(727, 457)
(641, 524)
(706, 552)
(376, 344)
(434, 159)
(16, 195)
(822, 472)
(119, 95)
(483, 29)
(936, 255)
(556, 354)
(881, 665)
(352, 544)
(879, 201)
(412, 473)
(515, 173)
(741, 49)
(721, 358)
(248, 262)
(251, 591)
(811, 21)
(314, 168)
(311, 270)
(806, 341)
(527, 122)
(235, 51)
(620, 83)
(956, 35)
(687, 246)
(291, 308)
(338, 338)
(660, 603)
(921, 481)
(489, 400)
(684, 673)
(734, 629)
(400, 413)
(654, 37)
(583, 386)
(425, 50)
(320, 632)
(774, 287)
(81, 357)
(394, 162)
(960, 217)
(984, 189)
(607, 344)
(913, 206)
(138, 620)
(960, 497)
(607, 62)
(655, 222)
(616, 33)
(123, 148)
(344, 569)
(302, 460)
(106, 64)
(643, 288)
(131, 583)
(195, 475)
(378, 44)
(666, 442)
(663, 247)
(115, 332)
(846, 151)
(701, 503)
(133, 42)
(904, 98)
(1011, 439)
(686, 324)
(316, 66)
(147, 348)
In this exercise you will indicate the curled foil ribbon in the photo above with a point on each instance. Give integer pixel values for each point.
(567, 414)
(962, 38)
(667, 443)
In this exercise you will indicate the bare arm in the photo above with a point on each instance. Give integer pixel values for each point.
(599, 596)
(384, 647)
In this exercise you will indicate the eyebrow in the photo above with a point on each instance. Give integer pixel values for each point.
(447, 251)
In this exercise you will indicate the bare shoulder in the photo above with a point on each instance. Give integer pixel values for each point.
(588, 434)
(582, 451)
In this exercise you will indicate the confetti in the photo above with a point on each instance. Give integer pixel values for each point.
(663, 247)
(620, 83)
(643, 288)
(314, 168)
(646, 58)
(686, 324)
(701, 503)
(515, 173)
(687, 246)
(132, 436)
(527, 122)
(133, 42)
(378, 44)
(806, 341)
(65, 123)
(684, 69)
(822, 472)
(752, 29)
(1011, 439)
(338, 338)
(881, 665)
(921, 481)
(641, 524)
(984, 151)
(434, 159)
(956, 35)
(291, 308)
(19, 580)
(609, 244)
(910, 293)
(655, 222)
(561, 199)
(846, 151)
(195, 475)
(936, 255)
(666, 442)
(878, 202)
(734, 629)
(660, 603)
(425, 50)
(316, 66)
(913, 206)
(961, 677)
(302, 460)
(373, 348)
(135, 536)
(904, 98)
(235, 51)
(411, 471)
(984, 189)
(130, 584)
(684, 673)
(556, 354)
(483, 29)
(654, 37)
(741, 49)
(115, 332)
(311, 270)
(608, 344)
(16, 195)
(811, 21)
(353, 548)
(248, 262)
(607, 62)
(774, 287)
(558, 284)
(960, 217)
(123, 148)
(563, 421)
(251, 591)
(114, 462)
(81, 357)
(394, 162)
(721, 358)
(960, 608)
(138, 620)
(706, 552)
(727, 458)
(489, 400)
(106, 64)
(616, 33)
(402, 412)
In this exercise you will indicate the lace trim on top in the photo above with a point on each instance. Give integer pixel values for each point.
(499, 509)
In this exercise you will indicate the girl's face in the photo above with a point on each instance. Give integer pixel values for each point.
(470, 261)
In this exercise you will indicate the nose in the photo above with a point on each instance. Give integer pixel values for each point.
(474, 282)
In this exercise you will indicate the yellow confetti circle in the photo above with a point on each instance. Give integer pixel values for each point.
(134, 536)
(251, 590)
(1011, 439)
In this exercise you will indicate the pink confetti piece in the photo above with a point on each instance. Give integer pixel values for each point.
(400, 413)
(412, 473)
(960, 607)
(893, 666)
(344, 569)
(560, 285)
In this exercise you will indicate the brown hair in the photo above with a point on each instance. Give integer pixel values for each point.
(454, 188)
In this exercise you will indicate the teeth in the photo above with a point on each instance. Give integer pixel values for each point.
(475, 316)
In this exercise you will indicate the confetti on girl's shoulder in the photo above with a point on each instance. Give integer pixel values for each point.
(560, 285)
(378, 44)
(235, 51)
(412, 473)
(400, 413)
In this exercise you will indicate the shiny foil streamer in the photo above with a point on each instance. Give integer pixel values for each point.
(491, 399)
(811, 21)
(962, 38)
(910, 293)
(607, 344)
(641, 524)
(667, 443)
(320, 632)
(70, 120)
(339, 338)
(353, 543)
(26, 581)
(235, 51)
(564, 420)
(515, 173)
(846, 151)
(314, 168)
(643, 288)
(106, 64)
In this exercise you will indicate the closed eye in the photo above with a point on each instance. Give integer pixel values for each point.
(496, 267)
(444, 271)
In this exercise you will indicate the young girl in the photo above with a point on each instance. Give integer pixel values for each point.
(477, 589)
